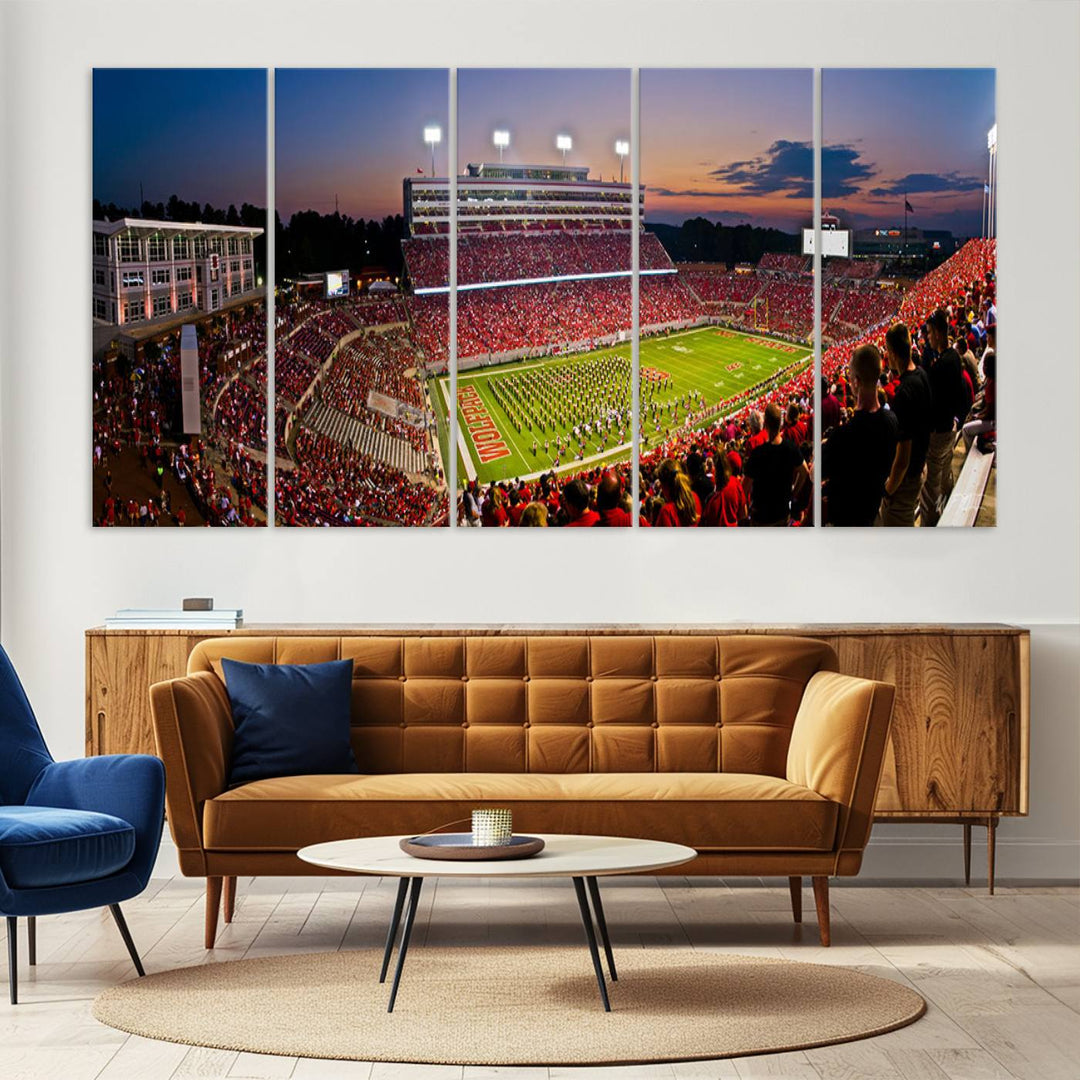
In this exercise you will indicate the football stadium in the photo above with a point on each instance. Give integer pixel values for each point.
(361, 417)
(544, 360)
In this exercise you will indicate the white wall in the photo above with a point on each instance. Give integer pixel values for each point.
(60, 576)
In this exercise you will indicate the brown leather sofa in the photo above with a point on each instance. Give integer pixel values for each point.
(750, 748)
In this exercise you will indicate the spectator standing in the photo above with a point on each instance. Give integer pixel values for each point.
(857, 458)
(950, 403)
(727, 508)
(682, 508)
(775, 473)
(985, 417)
(911, 404)
(609, 513)
(576, 505)
(831, 409)
(535, 516)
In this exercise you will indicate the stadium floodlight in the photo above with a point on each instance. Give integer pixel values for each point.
(564, 143)
(622, 148)
(990, 187)
(502, 140)
(433, 136)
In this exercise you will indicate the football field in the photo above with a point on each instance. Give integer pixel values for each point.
(517, 420)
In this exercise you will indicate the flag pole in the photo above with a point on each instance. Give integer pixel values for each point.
(905, 221)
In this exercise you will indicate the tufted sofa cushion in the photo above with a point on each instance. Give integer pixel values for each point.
(560, 704)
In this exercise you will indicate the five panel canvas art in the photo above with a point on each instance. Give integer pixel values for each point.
(396, 276)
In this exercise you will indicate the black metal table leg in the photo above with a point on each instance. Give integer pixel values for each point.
(590, 934)
(395, 922)
(121, 925)
(601, 922)
(13, 958)
(403, 948)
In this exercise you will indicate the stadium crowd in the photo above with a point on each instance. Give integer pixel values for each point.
(332, 484)
(598, 497)
(752, 466)
(898, 398)
(137, 424)
(513, 256)
(380, 362)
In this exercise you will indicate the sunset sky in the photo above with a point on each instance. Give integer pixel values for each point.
(355, 133)
(922, 131)
(730, 144)
(199, 134)
(590, 105)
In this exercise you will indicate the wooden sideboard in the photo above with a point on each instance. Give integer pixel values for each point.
(959, 749)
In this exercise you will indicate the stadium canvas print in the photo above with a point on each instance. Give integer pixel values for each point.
(179, 304)
(362, 296)
(726, 298)
(544, 265)
(909, 324)
(454, 338)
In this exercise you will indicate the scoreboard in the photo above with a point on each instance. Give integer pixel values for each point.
(337, 284)
(833, 242)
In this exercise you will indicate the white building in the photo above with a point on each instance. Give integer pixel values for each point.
(145, 271)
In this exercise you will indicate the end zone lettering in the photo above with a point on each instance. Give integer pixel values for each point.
(482, 430)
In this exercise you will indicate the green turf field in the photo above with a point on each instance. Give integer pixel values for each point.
(713, 363)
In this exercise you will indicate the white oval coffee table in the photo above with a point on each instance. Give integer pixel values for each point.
(582, 858)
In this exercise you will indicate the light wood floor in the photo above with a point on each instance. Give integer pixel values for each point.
(1001, 974)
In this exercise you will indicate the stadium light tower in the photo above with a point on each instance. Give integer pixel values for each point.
(990, 188)
(433, 136)
(563, 143)
(622, 148)
(502, 140)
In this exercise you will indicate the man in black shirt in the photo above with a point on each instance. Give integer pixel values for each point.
(774, 473)
(950, 404)
(858, 456)
(911, 404)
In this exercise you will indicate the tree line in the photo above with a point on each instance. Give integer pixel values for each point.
(700, 240)
(312, 242)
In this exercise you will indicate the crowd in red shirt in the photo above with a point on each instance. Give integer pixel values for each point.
(332, 484)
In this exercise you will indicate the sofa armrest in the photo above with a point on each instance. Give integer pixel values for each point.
(837, 749)
(193, 729)
(128, 786)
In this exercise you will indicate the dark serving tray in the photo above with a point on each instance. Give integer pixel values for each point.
(459, 846)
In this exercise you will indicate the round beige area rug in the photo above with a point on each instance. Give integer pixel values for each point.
(510, 1006)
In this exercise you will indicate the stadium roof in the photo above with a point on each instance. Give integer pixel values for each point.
(111, 228)
(504, 171)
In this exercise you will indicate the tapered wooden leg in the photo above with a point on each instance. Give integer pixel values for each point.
(795, 885)
(229, 902)
(31, 938)
(991, 850)
(967, 852)
(821, 899)
(213, 906)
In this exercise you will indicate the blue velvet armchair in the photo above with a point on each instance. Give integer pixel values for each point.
(73, 834)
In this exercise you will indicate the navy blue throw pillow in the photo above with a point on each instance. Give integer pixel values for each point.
(290, 719)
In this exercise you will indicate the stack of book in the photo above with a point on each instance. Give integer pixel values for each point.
(175, 619)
